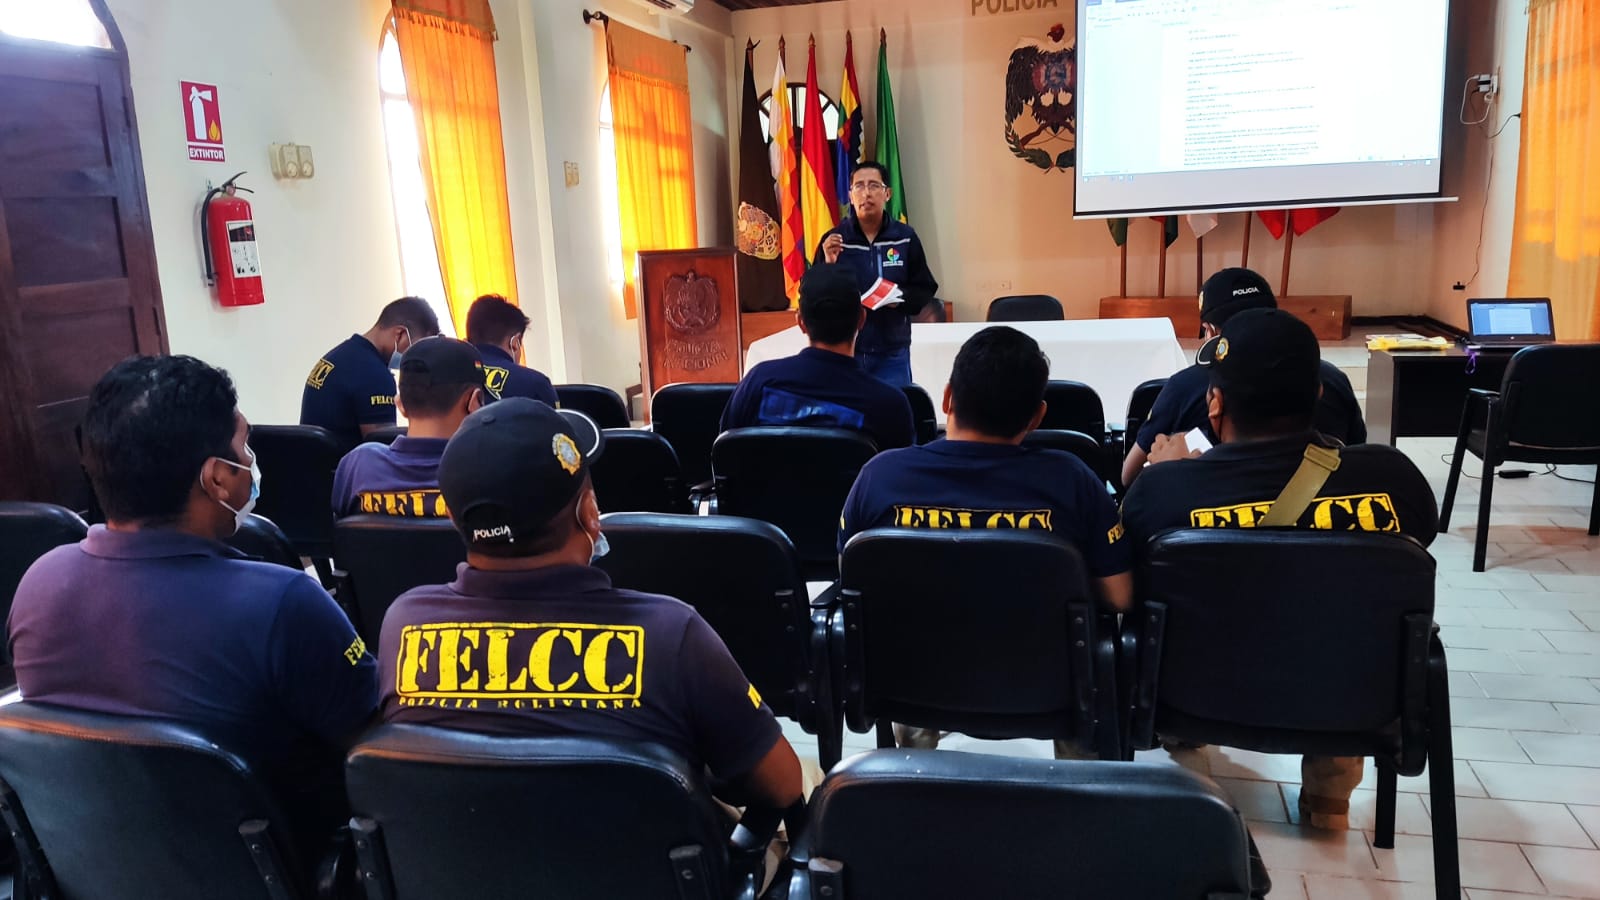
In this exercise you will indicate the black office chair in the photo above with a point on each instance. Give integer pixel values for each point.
(1539, 415)
(27, 532)
(121, 808)
(260, 538)
(689, 416)
(1000, 826)
(991, 633)
(297, 463)
(1139, 406)
(744, 578)
(639, 473)
(922, 413)
(795, 477)
(1287, 641)
(1026, 308)
(384, 435)
(1074, 406)
(382, 557)
(1084, 447)
(443, 813)
(605, 406)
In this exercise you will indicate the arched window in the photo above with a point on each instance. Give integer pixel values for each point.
(419, 256)
(797, 102)
(610, 201)
(60, 21)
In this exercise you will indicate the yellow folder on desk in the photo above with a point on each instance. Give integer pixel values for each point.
(1405, 342)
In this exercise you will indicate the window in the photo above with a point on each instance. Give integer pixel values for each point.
(419, 256)
(797, 102)
(60, 21)
(610, 202)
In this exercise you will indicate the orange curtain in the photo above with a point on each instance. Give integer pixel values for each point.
(447, 50)
(655, 148)
(1555, 249)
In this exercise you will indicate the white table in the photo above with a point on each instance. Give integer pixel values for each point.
(1113, 356)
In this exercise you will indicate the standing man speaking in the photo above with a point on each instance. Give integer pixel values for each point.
(873, 246)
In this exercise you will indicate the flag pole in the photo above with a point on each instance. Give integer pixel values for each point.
(1244, 258)
(1124, 282)
(1199, 262)
(1288, 254)
(1161, 279)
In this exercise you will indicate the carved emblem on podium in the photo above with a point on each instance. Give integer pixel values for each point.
(690, 303)
(689, 316)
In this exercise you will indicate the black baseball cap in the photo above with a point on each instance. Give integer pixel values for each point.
(828, 293)
(1266, 360)
(513, 466)
(436, 361)
(1231, 291)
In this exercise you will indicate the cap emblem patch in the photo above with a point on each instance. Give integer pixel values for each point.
(566, 453)
(1222, 349)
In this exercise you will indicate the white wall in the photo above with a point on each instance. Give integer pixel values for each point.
(994, 224)
(301, 71)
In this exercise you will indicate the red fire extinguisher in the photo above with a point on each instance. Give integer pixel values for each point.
(228, 236)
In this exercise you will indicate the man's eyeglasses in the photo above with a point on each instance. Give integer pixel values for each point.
(867, 187)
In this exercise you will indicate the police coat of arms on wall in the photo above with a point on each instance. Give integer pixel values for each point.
(1042, 101)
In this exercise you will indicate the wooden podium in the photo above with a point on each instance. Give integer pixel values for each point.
(688, 318)
(1329, 317)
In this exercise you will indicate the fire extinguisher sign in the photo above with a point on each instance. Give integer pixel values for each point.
(202, 117)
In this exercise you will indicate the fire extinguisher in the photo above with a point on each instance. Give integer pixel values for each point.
(228, 231)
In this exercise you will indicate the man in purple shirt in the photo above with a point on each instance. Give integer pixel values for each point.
(153, 616)
(532, 640)
(442, 380)
(824, 385)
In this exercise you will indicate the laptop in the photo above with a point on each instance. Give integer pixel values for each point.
(1509, 322)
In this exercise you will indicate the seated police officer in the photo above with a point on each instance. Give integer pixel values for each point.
(824, 385)
(442, 380)
(350, 391)
(620, 665)
(152, 615)
(980, 475)
(1181, 406)
(496, 328)
(1262, 402)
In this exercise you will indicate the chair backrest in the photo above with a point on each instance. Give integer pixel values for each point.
(795, 477)
(1077, 443)
(689, 416)
(520, 817)
(258, 536)
(1074, 406)
(1026, 308)
(987, 632)
(385, 435)
(1140, 403)
(297, 463)
(742, 575)
(118, 807)
(1285, 631)
(383, 557)
(1539, 390)
(638, 472)
(600, 403)
(1023, 828)
(922, 414)
(27, 532)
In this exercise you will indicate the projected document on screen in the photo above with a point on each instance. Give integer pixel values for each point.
(1195, 104)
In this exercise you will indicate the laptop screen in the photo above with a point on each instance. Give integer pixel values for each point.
(1510, 318)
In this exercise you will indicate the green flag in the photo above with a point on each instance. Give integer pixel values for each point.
(1119, 231)
(1169, 227)
(888, 150)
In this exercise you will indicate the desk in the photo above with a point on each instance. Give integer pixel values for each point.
(1419, 393)
(1113, 356)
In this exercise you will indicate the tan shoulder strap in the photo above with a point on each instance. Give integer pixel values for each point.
(1318, 464)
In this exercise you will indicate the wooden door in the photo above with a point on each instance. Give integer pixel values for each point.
(78, 284)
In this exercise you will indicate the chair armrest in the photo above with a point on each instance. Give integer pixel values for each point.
(337, 873)
(747, 846)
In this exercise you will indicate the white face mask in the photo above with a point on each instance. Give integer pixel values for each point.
(243, 512)
(394, 358)
(598, 547)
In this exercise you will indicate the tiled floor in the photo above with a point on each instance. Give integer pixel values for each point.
(1523, 641)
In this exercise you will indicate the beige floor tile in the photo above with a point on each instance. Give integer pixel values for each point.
(1464, 686)
(1480, 894)
(1527, 619)
(1459, 616)
(1467, 598)
(1589, 818)
(1574, 873)
(1576, 584)
(1312, 851)
(1467, 784)
(1484, 864)
(1462, 659)
(1516, 715)
(1327, 887)
(1552, 600)
(1257, 801)
(1504, 580)
(1583, 718)
(1572, 641)
(1590, 618)
(1518, 822)
(1542, 784)
(1548, 749)
(1488, 744)
(1231, 762)
(1548, 688)
(1472, 638)
(1580, 665)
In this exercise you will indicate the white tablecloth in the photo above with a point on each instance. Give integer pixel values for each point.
(1113, 356)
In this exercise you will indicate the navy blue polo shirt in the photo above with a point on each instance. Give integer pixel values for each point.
(401, 479)
(559, 652)
(967, 484)
(825, 389)
(508, 379)
(1181, 407)
(163, 624)
(349, 387)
